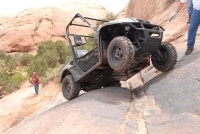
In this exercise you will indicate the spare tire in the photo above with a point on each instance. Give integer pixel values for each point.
(120, 54)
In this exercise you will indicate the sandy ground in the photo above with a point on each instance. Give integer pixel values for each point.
(17, 106)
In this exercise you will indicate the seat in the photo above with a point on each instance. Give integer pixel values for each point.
(80, 53)
(78, 40)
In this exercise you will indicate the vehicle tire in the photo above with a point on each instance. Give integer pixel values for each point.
(120, 54)
(169, 60)
(70, 88)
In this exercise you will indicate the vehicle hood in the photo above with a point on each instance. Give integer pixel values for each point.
(123, 20)
(118, 21)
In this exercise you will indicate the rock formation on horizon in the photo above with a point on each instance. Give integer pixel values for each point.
(23, 32)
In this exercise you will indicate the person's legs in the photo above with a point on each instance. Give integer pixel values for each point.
(36, 89)
(194, 24)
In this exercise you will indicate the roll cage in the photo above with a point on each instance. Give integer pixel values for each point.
(78, 37)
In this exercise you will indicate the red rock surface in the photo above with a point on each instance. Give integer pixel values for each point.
(23, 32)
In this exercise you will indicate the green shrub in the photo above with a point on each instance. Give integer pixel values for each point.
(3, 78)
(26, 59)
(1, 63)
(10, 64)
(51, 57)
(109, 16)
(18, 57)
(45, 46)
(90, 44)
(10, 83)
(38, 65)
(50, 75)
(13, 82)
(63, 51)
(18, 78)
(2, 54)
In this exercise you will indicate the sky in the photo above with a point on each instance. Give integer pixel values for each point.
(12, 7)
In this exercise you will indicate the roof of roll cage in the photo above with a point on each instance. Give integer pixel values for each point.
(84, 19)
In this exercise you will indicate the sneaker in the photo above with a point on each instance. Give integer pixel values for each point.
(189, 50)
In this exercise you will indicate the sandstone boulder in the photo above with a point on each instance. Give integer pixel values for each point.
(23, 32)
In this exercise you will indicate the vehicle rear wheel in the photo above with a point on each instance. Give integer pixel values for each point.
(120, 54)
(70, 88)
(168, 60)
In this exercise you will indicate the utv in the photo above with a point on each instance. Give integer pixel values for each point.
(122, 48)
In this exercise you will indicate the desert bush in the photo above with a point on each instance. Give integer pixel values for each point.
(63, 51)
(38, 65)
(90, 44)
(2, 54)
(17, 57)
(26, 59)
(10, 64)
(52, 74)
(13, 83)
(109, 16)
(51, 57)
(45, 46)
(3, 77)
(10, 83)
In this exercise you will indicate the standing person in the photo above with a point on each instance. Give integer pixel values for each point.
(190, 10)
(35, 81)
(194, 23)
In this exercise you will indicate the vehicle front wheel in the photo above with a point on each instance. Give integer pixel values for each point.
(70, 88)
(120, 54)
(165, 58)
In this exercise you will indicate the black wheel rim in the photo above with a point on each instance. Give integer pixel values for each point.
(162, 61)
(117, 54)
